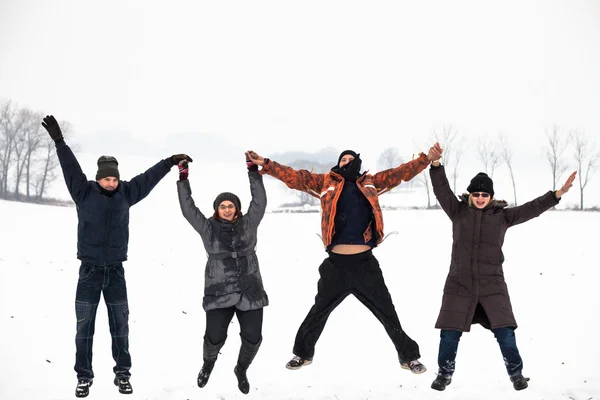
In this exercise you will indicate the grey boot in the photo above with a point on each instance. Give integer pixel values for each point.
(247, 353)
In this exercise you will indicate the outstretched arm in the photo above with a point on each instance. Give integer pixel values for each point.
(302, 180)
(442, 190)
(532, 209)
(390, 178)
(188, 207)
(76, 181)
(140, 186)
(258, 203)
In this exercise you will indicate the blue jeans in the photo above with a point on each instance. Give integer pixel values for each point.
(109, 280)
(508, 346)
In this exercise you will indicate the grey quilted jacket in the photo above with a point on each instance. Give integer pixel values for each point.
(232, 276)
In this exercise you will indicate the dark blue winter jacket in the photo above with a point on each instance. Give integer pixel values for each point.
(103, 230)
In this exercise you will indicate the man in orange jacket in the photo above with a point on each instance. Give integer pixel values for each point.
(351, 225)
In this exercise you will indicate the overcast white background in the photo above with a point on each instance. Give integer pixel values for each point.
(214, 78)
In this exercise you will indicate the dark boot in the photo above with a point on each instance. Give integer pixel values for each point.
(519, 382)
(247, 353)
(441, 382)
(205, 373)
(83, 387)
(211, 352)
(124, 385)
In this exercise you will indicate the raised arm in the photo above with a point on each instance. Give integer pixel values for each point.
(258, 203)
(193, 215)
(76, 181)
(302, 180)
(532, 209)
(141, 185)
(390, 178)
(442, 191)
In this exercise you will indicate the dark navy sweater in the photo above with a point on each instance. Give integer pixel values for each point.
(353, 215)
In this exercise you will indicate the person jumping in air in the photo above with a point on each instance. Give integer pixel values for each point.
(475, 289)
(352, 225)
(232, 281)
(102, 241)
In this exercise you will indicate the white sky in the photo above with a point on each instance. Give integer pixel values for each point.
(280, 75)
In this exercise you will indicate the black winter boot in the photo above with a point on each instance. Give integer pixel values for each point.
(124, 385)
(211, 352)
(519, 382)
(83, 387)
(205, 373)
(441, 382)
(247, 353)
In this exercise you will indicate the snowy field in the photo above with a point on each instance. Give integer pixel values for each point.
(550, 268)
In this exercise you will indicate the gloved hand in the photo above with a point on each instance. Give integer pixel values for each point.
(251, 166)
(249, 163)
(177, 158)
(53, 128)
(183, 170)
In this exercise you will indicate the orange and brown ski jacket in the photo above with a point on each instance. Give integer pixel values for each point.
(328, 188)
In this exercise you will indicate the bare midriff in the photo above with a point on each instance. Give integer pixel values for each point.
(350, 248)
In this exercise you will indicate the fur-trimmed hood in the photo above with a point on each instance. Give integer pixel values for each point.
(492, 204)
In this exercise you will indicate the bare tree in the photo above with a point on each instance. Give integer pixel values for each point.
(507, 154)
(586, 158)
(389, 158)
(34, 139)
(489, 155)
(424, 179)
(554, 151)
(8, 131)
(26, 123)
(454, 146)
(306, 199)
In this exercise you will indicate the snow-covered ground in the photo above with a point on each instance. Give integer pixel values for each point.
(550, 267)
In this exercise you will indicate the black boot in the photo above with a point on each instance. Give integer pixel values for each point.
(83, 387)
(124, 385)
(211, 352)
(441, 382)
(205, 373)
(240, 374)
(247, 353)
(519, 382)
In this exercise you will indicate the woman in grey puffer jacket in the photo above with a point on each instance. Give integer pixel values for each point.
(233, 284)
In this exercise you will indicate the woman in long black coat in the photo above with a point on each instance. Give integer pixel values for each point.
(475, 289)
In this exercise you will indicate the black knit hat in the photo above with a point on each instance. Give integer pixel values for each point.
(481, 183)
(226, 196)
(345, 152)
(107, 166)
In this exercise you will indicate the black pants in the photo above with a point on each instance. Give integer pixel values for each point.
(217, 322)
(109, 281)
(360, 275)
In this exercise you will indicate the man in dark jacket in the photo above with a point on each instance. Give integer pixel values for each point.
(102, 238)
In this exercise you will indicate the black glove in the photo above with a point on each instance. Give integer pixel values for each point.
(53, 128)
(175, 159)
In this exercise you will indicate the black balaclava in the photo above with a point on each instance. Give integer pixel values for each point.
(351, 171)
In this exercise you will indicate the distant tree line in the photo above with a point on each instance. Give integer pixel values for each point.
(28, 162)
